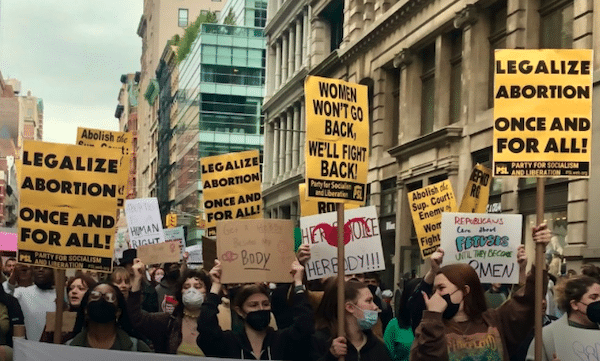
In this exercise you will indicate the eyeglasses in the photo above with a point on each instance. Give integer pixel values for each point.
(108, 296)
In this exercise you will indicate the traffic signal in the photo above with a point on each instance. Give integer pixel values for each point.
(199, 222)
(171, 220)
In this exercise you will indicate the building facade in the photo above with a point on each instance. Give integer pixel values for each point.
(160, 21)
(126, 113)
(428, 65)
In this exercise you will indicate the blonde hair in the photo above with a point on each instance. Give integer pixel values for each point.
(572, 289)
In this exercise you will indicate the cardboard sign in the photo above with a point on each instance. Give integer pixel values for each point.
(256, 250)
(309, 207)
(194, 254)
(209, 253)
(543, 113)
(337, 140)
(114, 140)
(68, 322)
(362, 239)
(143, 222)
(231, 186)
(575, 344)
(176, 234)
(487, 242)
(68, 199)
(8, 241)
(160, 252)
(477, 192)
(426, 206)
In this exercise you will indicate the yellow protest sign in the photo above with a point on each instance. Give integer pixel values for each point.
(309, 207)
(337, 140)
(542, 112)
(477, 191)
(231, 187)
(114, 140)
(426, 206)
(68, 199)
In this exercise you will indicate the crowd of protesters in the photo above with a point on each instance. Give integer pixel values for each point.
(176, 309)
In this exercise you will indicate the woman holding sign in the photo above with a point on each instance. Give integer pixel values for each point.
(171, 333)
(256, 341)
(579, 298)
(457, 325)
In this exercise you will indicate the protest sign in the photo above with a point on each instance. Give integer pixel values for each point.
(542, 112)
(209, 252)
(114, 140)
(25, 350)
(477, 192)
(67, 324)
(143, 222)
(231, 187)
(576, 343)
(362, 239)
(309, 207)
(165, 252)
(8, 241)
(68, 199)
(194, 254)
(256, 250)
(337, 140)
(121, 242)
(175, 234)
(426, 206)
(487, 242)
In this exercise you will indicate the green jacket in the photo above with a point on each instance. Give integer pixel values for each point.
(123, 342)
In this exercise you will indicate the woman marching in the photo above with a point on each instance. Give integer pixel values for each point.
(256, 341)
(457, 325)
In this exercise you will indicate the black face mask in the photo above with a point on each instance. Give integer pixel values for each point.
(102, 311)
(259, 320)
(593, 312)
(452, 308)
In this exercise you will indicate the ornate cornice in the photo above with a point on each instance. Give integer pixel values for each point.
(432, 140)
(403, 58)
(467, 16)
(381, 29)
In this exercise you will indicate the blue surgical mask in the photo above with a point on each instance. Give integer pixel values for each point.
(368, 320)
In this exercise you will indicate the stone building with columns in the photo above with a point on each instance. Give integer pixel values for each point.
(429, 68)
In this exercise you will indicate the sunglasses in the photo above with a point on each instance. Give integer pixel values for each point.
(108, 296)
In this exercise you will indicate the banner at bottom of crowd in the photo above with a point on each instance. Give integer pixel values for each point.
(25, 350)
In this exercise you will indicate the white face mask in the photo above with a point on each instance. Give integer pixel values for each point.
(192, 298)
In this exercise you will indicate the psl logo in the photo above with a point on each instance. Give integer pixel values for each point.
(501, 169)
(358, 193)
(24, 258)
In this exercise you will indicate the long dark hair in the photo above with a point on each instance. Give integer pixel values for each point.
(403, 312)
(189, 273)
(123, 322)
(88, 281)
(572, 289)
(326, 315)
(462, 275)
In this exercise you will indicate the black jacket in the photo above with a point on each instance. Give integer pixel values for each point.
(278, 345)
(373, 350)
(15, 314)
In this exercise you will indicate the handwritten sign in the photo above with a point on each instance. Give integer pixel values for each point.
(256, 250)
(160, 252)
(362, 239)
(231, 186)
(337, 139)
(426, 206)
(477, 192)
(143, 222)
(8, 241)
(543, 112)
(487, 242)
(575, 344)
(120, 141)
(176, 234)
(68, 202)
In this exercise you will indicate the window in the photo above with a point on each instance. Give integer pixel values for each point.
(427, 89)
(388, 196)
(182, 21)
(455, 75)
(497, 41)
(260, 14)
(556, 24)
